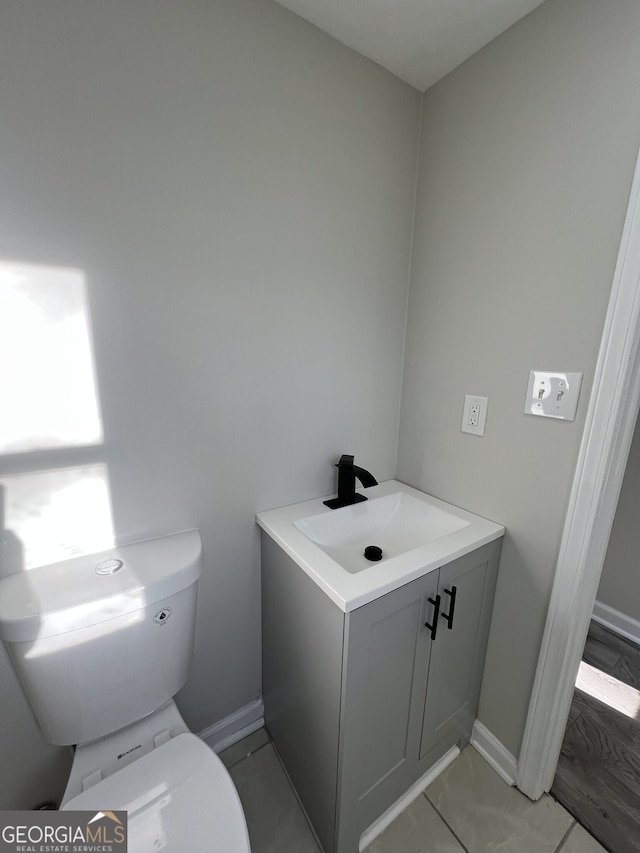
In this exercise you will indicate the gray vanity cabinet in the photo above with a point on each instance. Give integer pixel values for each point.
(361, 704)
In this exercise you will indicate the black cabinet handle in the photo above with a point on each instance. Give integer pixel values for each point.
(434, 625)
(449, 616)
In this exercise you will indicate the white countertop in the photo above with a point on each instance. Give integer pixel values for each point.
(349, 590)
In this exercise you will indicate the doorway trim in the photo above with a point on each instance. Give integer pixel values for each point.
(608, 431)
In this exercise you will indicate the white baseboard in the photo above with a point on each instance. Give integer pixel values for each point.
(617, 622)
(494, 753)
(233, 728)
(400, 805)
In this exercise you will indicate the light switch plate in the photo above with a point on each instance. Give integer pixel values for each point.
(552, 394)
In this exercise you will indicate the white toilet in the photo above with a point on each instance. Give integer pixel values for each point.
(101, 644)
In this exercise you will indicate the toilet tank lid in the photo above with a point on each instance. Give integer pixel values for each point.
(88, 590)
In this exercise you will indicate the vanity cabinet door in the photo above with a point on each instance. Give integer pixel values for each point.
(466, 590)
(387, 662)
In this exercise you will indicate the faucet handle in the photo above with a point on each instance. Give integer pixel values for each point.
(345, 460)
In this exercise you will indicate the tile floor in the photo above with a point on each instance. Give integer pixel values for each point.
(467, 809)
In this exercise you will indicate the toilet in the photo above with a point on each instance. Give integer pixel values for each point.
(102, 644)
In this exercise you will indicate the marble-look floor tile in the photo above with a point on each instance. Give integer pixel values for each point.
(275, 820)
(244, 747)
(579, 841)
(419, 829)
(488, 815)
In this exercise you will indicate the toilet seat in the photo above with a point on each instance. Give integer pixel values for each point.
(179, 797)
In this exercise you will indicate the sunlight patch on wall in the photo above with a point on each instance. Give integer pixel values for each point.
(49, 401)
(55, 515)
(48, 389)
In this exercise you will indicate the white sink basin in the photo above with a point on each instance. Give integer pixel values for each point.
(395, 523)
(416, 532)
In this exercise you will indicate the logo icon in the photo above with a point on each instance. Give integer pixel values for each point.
(162, 615)
(111, 815)
(63, 831)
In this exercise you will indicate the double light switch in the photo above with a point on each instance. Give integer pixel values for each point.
(553, 395)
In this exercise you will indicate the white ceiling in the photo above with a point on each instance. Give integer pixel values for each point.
(418, 40)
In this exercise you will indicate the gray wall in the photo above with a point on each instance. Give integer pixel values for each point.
(620, 581)
(527, 156)
(239, 189)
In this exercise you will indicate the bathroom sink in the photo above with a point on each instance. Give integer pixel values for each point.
(416, 533)
(395, 524)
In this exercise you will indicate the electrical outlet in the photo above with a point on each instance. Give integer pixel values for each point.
(553, 395)
(474, 414)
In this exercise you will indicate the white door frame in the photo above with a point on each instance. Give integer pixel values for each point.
(609, 427)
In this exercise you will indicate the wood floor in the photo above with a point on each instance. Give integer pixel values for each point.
(598, 775)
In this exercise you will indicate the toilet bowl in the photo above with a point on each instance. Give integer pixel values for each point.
(101, 644)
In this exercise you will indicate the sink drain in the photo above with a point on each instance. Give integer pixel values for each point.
(373, 553)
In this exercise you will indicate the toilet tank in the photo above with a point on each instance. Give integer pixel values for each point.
(101, 641)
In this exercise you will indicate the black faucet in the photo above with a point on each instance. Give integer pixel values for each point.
(347, 473)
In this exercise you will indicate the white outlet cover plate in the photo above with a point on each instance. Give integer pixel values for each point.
(474, 414)
(553, 394)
